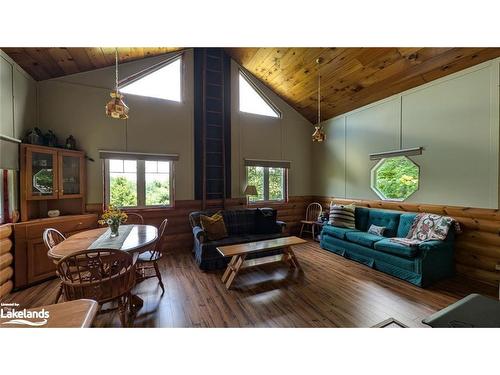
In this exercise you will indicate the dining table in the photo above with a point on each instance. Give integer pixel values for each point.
(136, 239)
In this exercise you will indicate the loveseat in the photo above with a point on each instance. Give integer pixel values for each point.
(243, 225)
(421, 265)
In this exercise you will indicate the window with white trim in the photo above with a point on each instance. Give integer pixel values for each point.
(162, 83)
(271, 183)
(252, 100)
(138, 183)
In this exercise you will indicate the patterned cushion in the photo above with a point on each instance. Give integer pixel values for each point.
(342, 215)
(239, 221)
(214, 226)
(375, 229)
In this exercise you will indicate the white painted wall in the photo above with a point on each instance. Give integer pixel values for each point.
(455, 119)
(17, 99)
(75, 105)
(263, 137)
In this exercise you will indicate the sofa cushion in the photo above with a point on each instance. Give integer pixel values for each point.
(239, 221)
(363, 238)
(265, 220)
(342, 215)
(337, 231)
(361, 215)
(214, 226)
(387, 246)
(387, 219)
(405, 223)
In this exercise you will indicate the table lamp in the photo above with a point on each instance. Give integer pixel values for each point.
(250, 190)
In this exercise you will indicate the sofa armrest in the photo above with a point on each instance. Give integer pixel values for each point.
(199, 234)
(431, 245)
(281, 225)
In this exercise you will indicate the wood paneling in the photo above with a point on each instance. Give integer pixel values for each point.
(179, 235)
(45, 63)
(6, 259)
(331, 292)
(351, 77)
(477, 249)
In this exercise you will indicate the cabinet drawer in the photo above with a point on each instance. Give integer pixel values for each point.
(77, 224)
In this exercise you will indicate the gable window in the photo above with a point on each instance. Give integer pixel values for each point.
(252, 100)
(138, 180)
(269, 178)
(163, 82)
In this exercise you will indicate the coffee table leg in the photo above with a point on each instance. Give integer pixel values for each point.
(291, 258)
(235, 268)
(229, 268)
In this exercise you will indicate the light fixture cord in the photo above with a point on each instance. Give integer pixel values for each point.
(116, 69)
(319, 94)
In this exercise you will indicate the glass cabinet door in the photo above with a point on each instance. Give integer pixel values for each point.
(70, 174)
(42, 174)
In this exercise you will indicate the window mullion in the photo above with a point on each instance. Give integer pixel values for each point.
(266, 183)
(141, 183)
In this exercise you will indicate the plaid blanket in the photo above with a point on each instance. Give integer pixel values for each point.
(428, 227)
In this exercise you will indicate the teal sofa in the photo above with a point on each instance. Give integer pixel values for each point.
(421, 265)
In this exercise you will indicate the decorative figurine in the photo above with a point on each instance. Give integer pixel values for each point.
(50, 139)
(70, 143)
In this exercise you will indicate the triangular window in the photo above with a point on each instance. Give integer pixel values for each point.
(163, 83)
(252, 100)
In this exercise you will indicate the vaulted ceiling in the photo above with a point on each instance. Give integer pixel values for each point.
(350, 77)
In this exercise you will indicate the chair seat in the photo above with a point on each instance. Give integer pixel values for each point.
(148, 256)
(307, 222)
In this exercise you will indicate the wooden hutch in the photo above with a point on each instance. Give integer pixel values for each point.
(50, 179)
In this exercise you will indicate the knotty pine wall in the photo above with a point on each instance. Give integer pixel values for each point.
(179, 236)
(477, 249)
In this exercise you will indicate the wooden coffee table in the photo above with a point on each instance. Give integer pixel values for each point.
(241, 251)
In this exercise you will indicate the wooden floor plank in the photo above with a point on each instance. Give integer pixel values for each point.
(330, 292)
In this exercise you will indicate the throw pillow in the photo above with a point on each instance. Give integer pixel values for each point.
(265, 220)
(375, 229)
(342, 215)
(214, 226)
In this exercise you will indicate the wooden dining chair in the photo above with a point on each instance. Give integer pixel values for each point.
(313, 212)
(147, 262)
(104, 275)
(134, 218)
(51, 237)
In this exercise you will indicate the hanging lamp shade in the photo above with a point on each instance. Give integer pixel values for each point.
(116, 107)
(319, 133)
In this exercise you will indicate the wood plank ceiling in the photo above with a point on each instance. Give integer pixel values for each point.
(351, 77)
(45, 63)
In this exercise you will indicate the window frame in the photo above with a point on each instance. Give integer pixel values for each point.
(266, 199)
(141, 185)
(373, 178)
(242, 73)
(152, 70)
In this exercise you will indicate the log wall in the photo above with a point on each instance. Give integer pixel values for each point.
(179, 236)
(6, 259)
(477, 249)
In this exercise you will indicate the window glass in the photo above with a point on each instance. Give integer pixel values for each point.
(157, 183)
(270, 183)
(252, 101)
(395, 178)
(123, 183)
(255, 177)
(164, 83)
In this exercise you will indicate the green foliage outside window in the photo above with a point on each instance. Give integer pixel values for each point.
(396, 178)
(276, 180)
(123, 192)
(157, 193)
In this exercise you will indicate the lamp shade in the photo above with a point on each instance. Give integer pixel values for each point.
(116, 108)
(250, 190)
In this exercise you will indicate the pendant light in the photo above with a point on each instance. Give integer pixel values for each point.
(319, 132)
(116, 108)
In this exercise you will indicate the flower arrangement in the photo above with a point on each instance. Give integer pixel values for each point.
(113, 217)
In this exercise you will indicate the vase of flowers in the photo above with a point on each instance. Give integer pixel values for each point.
(113, 217)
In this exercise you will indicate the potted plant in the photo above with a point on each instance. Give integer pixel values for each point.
(113, 217)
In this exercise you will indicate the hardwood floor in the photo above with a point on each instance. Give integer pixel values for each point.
(331, 292)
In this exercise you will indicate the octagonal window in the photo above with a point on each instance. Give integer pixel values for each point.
(395, 178)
